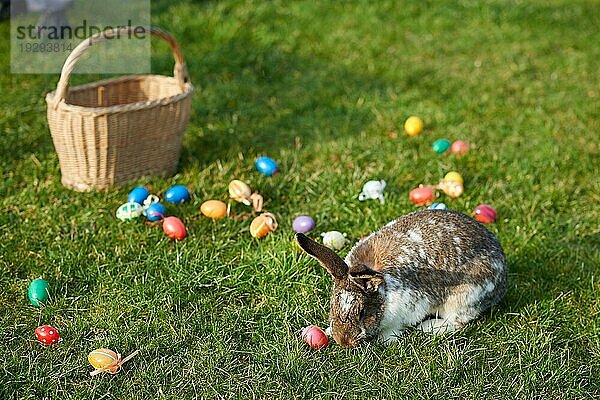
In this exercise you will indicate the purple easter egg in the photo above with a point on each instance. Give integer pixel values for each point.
(303, 224)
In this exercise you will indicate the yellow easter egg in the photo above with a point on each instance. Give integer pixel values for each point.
(413, 126)
(453, 176)
(103, 359)
(240, 191)
(214, 209)
(262, 225)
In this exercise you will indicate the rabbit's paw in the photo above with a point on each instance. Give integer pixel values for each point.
(438, 326)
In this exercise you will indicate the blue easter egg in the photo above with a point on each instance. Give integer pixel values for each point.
(177, 194)
(155, 212)
(437, 206)
(138, 195)
(266, 166)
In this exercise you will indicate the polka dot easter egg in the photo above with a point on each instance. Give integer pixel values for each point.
(129, 211)
(177, 194)
(47, 334)
(38, 292)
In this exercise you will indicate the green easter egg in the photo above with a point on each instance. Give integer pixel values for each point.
(440, 145)
(38, 292)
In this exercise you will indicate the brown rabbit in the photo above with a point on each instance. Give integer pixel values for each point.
(437, 269)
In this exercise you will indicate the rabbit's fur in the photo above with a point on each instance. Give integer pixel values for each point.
(438, 269)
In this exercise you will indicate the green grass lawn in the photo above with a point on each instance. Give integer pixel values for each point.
(319, 88)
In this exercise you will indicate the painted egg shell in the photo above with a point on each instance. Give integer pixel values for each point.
(155, 212)
(38, 292)
(334, 240)
(262, 225)
(303, 224)
(129, 211)
(266, 166)
(440, 145)
(214, 209)
(485, 213)
(174, 228)
(315, 337)
(452, 188)
(240, 191)
(103, 358)
(151, 199)
(413, 126)
(437, 206)
(47, 334)
(421, 196)
(459, 147)
(177, 194)
(138, 195)
(453, 176)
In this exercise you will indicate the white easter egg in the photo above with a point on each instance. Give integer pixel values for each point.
(334, 240)
(129, 211)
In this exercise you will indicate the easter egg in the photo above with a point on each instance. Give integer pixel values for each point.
(151, 199)
(177, 194)
(453, 176)
(413, 126)
(315, 337)
(485, 213)
(266, 166)
(334, 240)
(214, 209)
(138, 195)
(155, 212)
(421, 196)
(174, 228)
(262, 225)
(38, 292)
(240, 191)
(303, 224)
(459, 147)
(47, 334)
(104, 359)
(440, 145)
(129, 211)
(437, 206)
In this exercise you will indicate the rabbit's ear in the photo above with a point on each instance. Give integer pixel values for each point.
(368, 280)
(327, 257)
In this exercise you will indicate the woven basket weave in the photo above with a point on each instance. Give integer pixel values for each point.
(115, 130)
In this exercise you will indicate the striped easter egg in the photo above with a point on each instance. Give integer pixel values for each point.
(129, 211)
(104, 359)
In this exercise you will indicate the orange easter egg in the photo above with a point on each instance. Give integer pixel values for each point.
(262, 225)
(421, 196)
(105, 359)
(214, 209)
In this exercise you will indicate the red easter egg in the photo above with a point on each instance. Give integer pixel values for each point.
(421, 196)
(174, 228)
(485, 213)
(315, 337)
(459, 147)
(47, 334)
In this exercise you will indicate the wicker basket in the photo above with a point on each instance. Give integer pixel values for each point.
(115, 130)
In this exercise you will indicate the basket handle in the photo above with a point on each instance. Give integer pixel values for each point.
(180, 71)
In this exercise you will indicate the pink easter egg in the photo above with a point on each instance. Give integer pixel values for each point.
(315, 337)
(485, 213)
